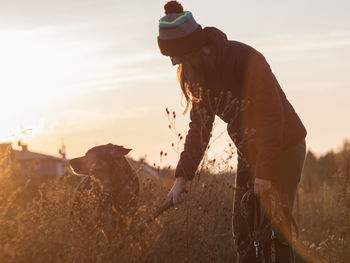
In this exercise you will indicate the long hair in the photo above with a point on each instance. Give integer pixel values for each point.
(191, 93)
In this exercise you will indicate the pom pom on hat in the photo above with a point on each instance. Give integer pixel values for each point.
(179, 33)
(172, 7)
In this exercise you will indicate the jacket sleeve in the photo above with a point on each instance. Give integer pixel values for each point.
(269, 124)
(196, 142)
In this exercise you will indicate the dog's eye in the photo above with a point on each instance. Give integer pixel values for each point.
(98, 162)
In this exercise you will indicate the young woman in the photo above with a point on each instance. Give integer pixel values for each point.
(232, 80)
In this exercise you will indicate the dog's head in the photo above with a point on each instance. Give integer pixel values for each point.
(107, 163)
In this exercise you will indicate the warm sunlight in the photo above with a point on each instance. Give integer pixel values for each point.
(33, 75)
(100, 163)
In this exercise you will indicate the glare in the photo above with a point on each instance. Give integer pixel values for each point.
(33, 75)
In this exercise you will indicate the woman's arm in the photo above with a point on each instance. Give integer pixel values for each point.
(197, 139)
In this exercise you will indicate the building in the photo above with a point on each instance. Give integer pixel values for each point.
(50, 166)
(33, 162)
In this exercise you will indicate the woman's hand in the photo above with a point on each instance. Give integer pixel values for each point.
(178, 192)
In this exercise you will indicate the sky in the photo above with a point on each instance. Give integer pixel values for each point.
(89, 72)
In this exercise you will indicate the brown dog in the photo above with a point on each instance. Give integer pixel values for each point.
(118, 180)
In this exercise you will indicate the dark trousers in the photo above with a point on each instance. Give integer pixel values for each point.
(243, 214)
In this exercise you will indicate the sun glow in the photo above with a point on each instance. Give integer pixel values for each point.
(33, 76)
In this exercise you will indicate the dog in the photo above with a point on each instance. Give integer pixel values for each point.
(118, 186)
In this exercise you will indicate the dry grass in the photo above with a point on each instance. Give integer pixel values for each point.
(36, 223)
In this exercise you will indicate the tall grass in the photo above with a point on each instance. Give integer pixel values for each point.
(325, 210)
(36, 222)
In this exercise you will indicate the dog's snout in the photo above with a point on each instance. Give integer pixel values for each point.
(74, 163)
(77, 165)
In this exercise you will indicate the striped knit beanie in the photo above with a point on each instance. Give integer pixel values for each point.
(179, 33)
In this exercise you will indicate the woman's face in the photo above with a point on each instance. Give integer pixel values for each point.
(192, 66)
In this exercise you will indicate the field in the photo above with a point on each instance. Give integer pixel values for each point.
(36, 223)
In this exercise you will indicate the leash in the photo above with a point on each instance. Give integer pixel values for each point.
(265, 222)
(116, 247)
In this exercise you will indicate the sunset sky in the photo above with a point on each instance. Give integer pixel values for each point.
(90, 72)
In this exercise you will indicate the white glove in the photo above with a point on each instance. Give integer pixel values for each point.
(178, 192)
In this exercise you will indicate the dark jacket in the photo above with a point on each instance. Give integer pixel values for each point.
(242, 90)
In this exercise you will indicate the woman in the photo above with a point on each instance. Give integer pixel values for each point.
(232, 80)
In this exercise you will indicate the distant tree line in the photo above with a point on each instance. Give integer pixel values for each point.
(326, 168)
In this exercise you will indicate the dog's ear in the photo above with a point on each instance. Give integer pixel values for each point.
(125, 151)
(116, 151)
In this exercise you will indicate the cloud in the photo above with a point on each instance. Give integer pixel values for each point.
(35, 13)
(305, 43)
